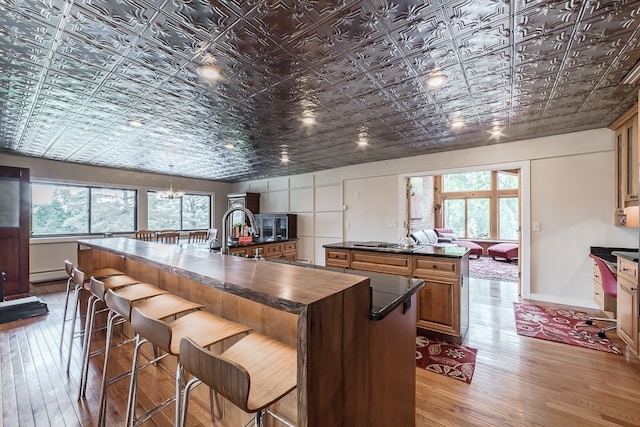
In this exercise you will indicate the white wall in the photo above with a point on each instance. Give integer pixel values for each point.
(48, 254)
(569, 190)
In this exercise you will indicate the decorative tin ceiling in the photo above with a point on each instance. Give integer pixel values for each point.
(73, 73)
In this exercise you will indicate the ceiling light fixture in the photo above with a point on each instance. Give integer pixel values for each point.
(632, 76)
(229, 146)
(436, 81)
(363, 137)
(308, 120)
(135, 123)
(170, 194)
(457, 123)
(208, 72)
(284, 158)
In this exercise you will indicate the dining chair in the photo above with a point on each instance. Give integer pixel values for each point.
(169, 237)
(198, 236)
(146, 235)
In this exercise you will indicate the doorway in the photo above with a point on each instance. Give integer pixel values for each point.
(481, 208)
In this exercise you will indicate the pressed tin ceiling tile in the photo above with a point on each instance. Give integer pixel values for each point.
(72, 75)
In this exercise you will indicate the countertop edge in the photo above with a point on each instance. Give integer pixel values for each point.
(406, 296)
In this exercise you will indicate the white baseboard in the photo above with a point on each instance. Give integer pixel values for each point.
(48, 276)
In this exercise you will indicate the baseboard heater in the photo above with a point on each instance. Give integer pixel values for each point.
(22, 308)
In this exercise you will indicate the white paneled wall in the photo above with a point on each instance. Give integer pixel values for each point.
(316, 198)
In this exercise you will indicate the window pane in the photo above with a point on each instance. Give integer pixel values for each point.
(454, 215)
(112, 210)
(59, 209)
(478, 218)
(508, 207)
(467, 181)
(164, 214)
(507, 181)
(196, 212)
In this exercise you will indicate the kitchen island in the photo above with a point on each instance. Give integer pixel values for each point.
(443, 303)
(352, 370)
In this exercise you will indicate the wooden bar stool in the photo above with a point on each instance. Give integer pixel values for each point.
(68, 267)
(97, 289)
(146, 235)
(161, 305)
(198, 236)
(168, 237)
(253, 374)
(203, 327)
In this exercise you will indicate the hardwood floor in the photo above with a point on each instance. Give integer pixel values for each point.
(518, 381)
(521, 381)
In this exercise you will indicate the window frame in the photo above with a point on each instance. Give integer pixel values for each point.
(89, 214)
(494, 195)
(209, 196)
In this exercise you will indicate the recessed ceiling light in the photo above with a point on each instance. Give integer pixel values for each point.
(308, 120)
(208, 72)
(457, 123)
(496, 132)
(436, 81)
(284, 158)
(229, 145)
(135, 123)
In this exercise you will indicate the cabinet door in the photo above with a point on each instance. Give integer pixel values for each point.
(438, 306)
(627, 299)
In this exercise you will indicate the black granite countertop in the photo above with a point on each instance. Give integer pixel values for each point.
(611, 254)
(385, 247)
(388, 291)
(260, 241)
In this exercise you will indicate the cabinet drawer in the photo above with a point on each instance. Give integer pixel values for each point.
(425, 266)
(598, 295)
(273, 250)
(336, 258)
(289, 247)
(596, 273)
(381, 263)
(628, 269)
(238, 251)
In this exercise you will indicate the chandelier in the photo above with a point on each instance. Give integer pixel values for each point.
(170, 194)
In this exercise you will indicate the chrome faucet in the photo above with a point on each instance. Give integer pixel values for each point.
(224, 249)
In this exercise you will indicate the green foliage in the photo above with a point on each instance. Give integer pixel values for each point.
(467, 181)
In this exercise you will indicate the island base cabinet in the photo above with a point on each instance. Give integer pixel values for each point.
(438, 307)
(393, 366)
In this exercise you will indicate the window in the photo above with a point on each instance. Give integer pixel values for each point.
(481, 205)
(73, 209)
(191, 212)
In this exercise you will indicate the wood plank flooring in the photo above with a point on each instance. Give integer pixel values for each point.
(518, 381)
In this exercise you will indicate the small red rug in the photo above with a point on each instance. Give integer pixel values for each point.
(560, 325)
(454, 361)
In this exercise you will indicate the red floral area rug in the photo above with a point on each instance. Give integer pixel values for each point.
(451, 360)
(560, 325)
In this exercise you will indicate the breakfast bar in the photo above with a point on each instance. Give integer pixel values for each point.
(354, 333)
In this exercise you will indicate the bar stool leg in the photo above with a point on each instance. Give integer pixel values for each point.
(133, 384)
(113, 317)
(73, 325)
(88, 331)
(64, 315)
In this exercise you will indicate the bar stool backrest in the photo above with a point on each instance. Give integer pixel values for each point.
(154, 330)
(226, 377)
(198, 236)
(68, 266)
(77, 276)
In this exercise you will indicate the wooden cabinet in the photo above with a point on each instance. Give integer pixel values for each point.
(282, 250)
(627, 303)
(339, 258)
(605, 302)
(442, 305)
(626, 165)
(15, 211)
(250, 201)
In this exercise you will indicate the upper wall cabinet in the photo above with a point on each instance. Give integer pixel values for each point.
(626, 167)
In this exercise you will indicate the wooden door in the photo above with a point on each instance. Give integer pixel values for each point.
(14, 229)
(627, 312)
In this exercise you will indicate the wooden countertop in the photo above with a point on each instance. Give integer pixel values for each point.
(284, 287)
